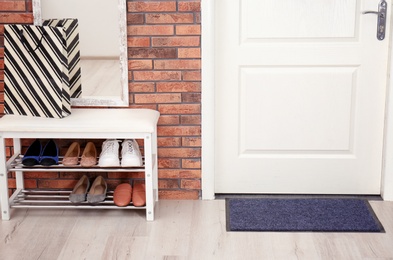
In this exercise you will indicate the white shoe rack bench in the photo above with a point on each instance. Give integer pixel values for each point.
(81, 124)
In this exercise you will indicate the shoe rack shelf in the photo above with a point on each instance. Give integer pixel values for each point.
(16, 165)
(81, 124)
(59, 199)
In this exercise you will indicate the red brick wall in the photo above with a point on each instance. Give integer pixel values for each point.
(164, 74)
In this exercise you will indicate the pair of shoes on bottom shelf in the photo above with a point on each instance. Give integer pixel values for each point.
(94, 194)
(35, 154)
(130, 154)
(88, 159)
(124, 194)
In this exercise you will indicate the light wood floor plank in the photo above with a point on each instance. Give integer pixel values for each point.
(182, 230)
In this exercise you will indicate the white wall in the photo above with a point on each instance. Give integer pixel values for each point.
(98, 23)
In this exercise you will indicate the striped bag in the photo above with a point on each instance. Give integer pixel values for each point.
(36, 80)
(73, 53)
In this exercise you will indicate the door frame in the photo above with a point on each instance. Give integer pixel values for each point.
(208, 105)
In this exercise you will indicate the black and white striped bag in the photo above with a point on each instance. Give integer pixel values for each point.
(73, 51)
(36, 78)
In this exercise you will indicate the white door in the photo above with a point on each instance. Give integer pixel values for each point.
(299, 96)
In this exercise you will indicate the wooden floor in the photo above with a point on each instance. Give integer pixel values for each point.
(182, 230)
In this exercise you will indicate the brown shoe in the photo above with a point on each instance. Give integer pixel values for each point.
(122, 195)
(89, 156)
(138, 195)
(72, 155)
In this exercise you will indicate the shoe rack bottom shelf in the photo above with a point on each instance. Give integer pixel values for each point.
(23, 198)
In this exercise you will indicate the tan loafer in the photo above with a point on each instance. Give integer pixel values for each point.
(89, 156)
(139, 195)
(122, 195)
(72, 155)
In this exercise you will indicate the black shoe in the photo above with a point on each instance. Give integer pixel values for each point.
(33, 153)
(50, 154)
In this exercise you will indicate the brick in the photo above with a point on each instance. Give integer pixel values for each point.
(168, 174)
(144, 6)
(180, 41)
(161, 18)
(135, 18)
(144, 106)
(179, 152)
(177, 64)
(141, 87)
(178, 194)
(71, 175)
(57, 184)
(6, 5)
(191, 75)
(151, 30)
(169, 120)
(21, 18)
(192, 141)
(191, 98)
(191, 163)
(190, 184)
(180, 109)
(198, 18)
(179, 173)
(112, 183)
(125, 175)
(194, 29)
(9, 142)
(193, 6)
(189, 53)
(158, 98)
(179, 130)
(130, 98)
(169, 141)
(187, 173)
(156, 75)
(29, 5)
(168, 163)
(140, 64)
(138, 41)
(28, 183)
(40, 175)
(178, 86)
(168, 184)
(190, 119)
(165, 53)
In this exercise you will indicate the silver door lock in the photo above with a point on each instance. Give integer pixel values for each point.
(381, 24)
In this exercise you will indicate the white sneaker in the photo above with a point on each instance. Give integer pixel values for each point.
(130, 154)
(109, 156)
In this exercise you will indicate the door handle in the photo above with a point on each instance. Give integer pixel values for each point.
(381, 24)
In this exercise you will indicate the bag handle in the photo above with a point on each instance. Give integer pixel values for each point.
(25, 43)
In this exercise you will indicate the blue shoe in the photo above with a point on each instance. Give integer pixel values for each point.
(50, 154)
(33, 153)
